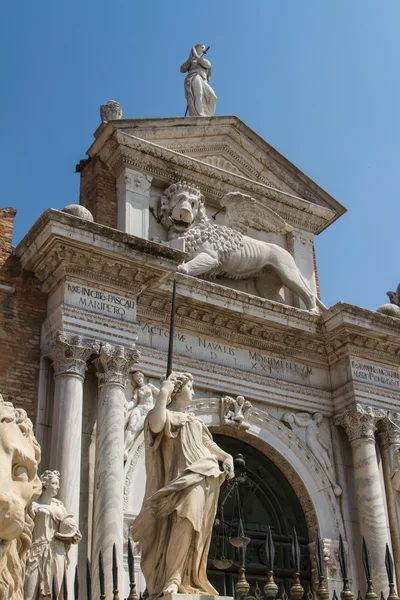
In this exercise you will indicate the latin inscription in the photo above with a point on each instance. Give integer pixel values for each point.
(99, 301)
(223, 354)
(374, 375)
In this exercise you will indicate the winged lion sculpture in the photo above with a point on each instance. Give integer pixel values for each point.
(218, 251)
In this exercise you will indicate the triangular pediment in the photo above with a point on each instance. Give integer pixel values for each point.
(229, 144)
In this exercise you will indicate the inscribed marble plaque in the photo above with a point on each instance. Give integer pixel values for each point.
(99, 301)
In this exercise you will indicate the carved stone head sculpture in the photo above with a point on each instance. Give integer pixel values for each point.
(19, 485)
(181, 206)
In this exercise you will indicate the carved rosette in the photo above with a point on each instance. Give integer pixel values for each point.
(389, 430)
(360, 422)
(69, 355)
(114, 363)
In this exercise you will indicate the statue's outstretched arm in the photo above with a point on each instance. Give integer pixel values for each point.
(158, 415)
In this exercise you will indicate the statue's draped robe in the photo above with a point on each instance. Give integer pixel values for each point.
(183, 480)
(47, 554)
(205, 97)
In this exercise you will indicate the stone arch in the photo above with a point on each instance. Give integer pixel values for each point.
(297, 464)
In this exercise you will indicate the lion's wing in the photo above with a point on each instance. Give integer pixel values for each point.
(244, 212)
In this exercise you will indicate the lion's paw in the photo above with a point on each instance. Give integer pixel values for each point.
(183, 269)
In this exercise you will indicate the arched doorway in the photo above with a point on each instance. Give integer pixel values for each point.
(271, 502)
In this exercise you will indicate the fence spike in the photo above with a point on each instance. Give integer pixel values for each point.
(88, 580)
(101, 577)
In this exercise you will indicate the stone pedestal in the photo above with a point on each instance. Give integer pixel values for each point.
(389, 441)
(69, 358)
(133, 197)
(360, 425)
(112, 369)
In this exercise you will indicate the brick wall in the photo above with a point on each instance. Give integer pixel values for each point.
(22, 312)
(98, 191)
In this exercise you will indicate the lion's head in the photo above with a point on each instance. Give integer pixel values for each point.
(20, 485)
(181, 207)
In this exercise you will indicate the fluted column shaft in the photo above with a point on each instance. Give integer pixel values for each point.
(360, 425)
(113, 365)
(69, 358)
(389, 438)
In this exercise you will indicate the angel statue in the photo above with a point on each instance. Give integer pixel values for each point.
(53, 533)
(314, 442)
(225, 251)
(183, 478)
(200, 96)
(235, 411)
(137, 409)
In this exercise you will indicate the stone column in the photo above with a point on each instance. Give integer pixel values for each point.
(69, 358)
(133, 197)
(360, 425)
(389, 442)
(108, 523)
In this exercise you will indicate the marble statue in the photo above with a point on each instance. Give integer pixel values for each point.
(175, 523)
(314, 442)
(235, 411)
(54, 532)
(224, 250)
(19, 457)
(137, 409)
(392, 309)
(200, 96)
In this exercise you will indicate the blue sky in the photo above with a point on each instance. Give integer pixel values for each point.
(318, 79)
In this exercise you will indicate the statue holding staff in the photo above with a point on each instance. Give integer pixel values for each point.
(200, 96)
(175, 523)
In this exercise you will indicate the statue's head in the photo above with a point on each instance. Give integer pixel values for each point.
(318, 418)
(51, 481)
(19, 457)
(181, 207)
(200, 49)
(20, 484)
(183, 387)
(137, 378)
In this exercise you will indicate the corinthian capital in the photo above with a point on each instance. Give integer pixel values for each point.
(389, 430)
(69, 354)
(360, 421)
(114, 363)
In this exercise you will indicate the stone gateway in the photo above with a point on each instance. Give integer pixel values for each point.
(301, 400)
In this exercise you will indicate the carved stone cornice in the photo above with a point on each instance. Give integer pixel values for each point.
(233, 139)
(360, 422)
(114, 363)
(69, 355)
(389, 430)
(171, 166)
(59, 245)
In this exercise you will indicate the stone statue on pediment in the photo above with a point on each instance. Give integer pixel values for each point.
(136, 411)
(226, 251)
(20, 485)
(314, 442)
(200, 96)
